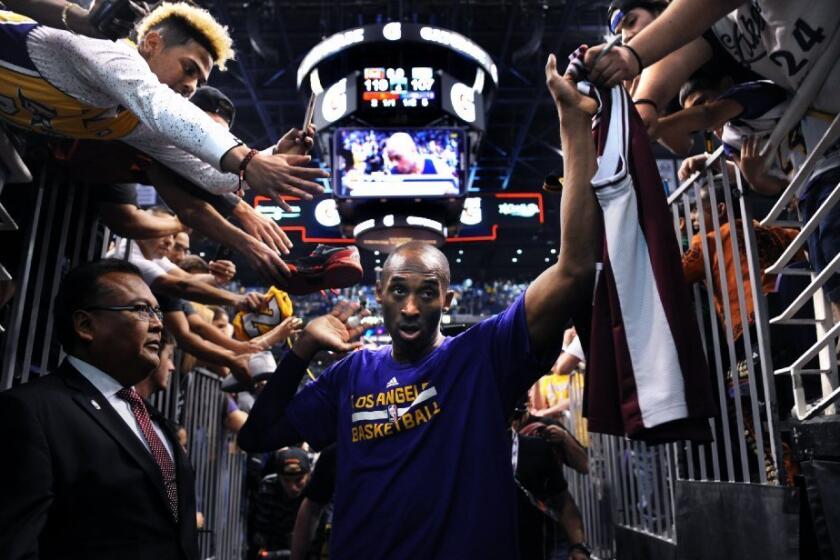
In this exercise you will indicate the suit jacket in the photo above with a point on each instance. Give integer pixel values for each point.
(77, 483)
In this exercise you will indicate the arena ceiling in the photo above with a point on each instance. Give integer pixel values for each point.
(521, 143)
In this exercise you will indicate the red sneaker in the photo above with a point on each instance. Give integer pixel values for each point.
(323, 269)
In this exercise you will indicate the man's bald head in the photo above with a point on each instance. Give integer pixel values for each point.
(417, 256)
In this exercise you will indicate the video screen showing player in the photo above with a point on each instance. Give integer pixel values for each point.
(397, 163)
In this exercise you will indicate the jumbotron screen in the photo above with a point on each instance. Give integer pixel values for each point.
(407, 162)
(398, 88)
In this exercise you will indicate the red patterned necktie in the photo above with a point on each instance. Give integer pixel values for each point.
(161, 456)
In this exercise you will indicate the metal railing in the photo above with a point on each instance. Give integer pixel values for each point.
(59, 229)
(219, 464)
(631, 485)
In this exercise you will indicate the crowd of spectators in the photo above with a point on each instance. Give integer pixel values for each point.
(676, 60)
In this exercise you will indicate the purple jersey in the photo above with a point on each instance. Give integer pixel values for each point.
(424, 466)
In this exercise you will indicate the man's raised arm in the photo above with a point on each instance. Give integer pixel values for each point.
(551, 298)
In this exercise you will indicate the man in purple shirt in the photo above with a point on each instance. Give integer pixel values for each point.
(424, 466)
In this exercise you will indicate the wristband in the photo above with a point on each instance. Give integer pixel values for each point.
(245, 161)
(645, 101)
(635, 54)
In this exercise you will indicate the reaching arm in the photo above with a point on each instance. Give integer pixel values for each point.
(574, 454)
(682, 22)
(49, 12)
(176, 324)
(209, 332)
(306, 523)
(572, 523)
(551, 298)
(200, 215)
(186, 287)
(127, 220)
(662, 81)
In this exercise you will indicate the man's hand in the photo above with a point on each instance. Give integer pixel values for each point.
(277, 175)
(266, 261)
(554, 434)
(691, 165)
(566, 96)
(296, 142)
(614, 67)
(222, 271)
(79, 21)
(280, 333)
(252, 301)
(238, 366)
(754, 167)
(262, 228)
(330, 332)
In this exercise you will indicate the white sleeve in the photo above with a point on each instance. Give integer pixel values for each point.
(575, 348)
(186, 165)
(165, 264)
(148, 269)
(108, 74)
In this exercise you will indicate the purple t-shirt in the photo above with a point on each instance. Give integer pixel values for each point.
(424, 468)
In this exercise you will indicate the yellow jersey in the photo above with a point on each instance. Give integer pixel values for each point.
(28, 101)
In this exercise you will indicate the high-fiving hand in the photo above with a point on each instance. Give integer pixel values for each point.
(331, 332)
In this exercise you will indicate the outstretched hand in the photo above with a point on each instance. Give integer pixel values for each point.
(262, 228)
(564, 91)
(613, 67)
(331, 332)
(278, 174)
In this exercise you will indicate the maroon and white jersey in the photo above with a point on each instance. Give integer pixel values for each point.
(646, 371)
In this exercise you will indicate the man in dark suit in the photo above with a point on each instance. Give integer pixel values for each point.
(90, 472)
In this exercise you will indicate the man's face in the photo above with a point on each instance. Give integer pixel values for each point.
(121, 341)
(413, 297)
(163, 373)
(402, 162)
(184, 68)
(161, 247)
(293, 484)
(221, 322)
(701, 97)
(705, 210)
(634, 21)
(180, 247)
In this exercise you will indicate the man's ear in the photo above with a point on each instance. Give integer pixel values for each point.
(447, 302)
(83, 326)
(152, 43)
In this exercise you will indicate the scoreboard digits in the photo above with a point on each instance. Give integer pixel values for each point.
(393, 88)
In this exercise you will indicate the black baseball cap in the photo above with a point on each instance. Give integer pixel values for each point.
(211, 100)
(293, 461)
(619, 8)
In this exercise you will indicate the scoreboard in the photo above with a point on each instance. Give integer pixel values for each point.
(398, 88)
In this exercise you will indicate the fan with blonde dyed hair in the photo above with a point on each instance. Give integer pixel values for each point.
(179, 22)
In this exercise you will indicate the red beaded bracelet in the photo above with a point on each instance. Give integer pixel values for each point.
(245, 161)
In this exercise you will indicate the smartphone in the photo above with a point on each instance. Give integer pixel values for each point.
(310, 114)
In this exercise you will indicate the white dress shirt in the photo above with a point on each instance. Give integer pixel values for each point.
(112, 74)
(109, 386)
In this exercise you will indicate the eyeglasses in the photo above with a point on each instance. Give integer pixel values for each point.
(143, 311)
